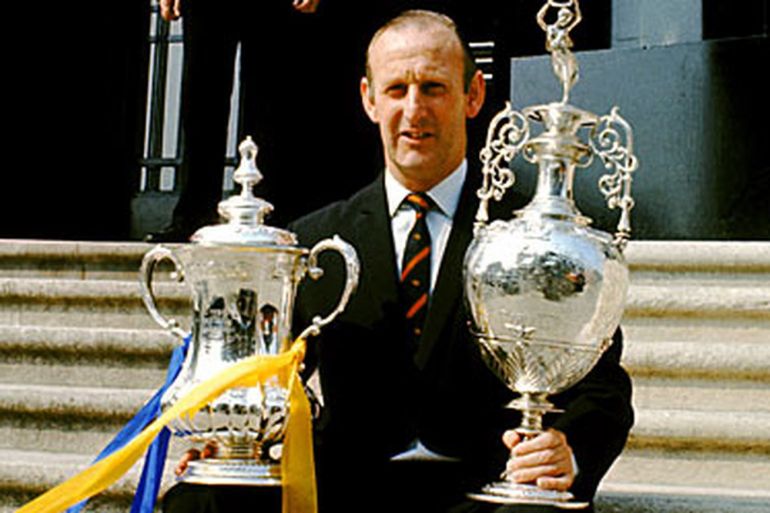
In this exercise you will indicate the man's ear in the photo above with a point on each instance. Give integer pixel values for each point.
(367, 99)
(477, 91)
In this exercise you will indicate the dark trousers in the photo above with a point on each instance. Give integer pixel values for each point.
(212, 33)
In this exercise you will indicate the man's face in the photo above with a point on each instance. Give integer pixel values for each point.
(417, 99)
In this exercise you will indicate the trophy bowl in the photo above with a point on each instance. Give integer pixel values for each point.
(545, 297)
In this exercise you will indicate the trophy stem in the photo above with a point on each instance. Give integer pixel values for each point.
(532, 405)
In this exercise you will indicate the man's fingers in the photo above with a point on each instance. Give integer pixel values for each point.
(170, 9)
(190, 455)
(546, 440)
(558, 483)
(560, 457)
(306, 6)
(532, 474)
(511, 438)
(209, 451)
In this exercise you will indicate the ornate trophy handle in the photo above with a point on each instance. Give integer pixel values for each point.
(612, 139)
(508, 132)
(352, 268)
(150, 260)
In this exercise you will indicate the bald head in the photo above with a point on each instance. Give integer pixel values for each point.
(426, 21)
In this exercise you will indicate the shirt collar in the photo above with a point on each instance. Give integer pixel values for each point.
(446, 193)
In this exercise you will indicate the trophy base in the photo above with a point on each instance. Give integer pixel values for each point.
(504, 492)
(248, 472)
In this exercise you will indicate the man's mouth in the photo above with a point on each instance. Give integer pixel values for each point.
(415, 135)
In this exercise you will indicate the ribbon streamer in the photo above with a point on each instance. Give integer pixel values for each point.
(299, 493)
(149, 483)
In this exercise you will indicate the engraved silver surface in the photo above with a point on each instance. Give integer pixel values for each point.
(243, 276)
(545, 290)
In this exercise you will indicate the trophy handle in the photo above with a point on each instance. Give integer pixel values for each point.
(150, 260)
(507, 134)
(352, 271)
(612, 139)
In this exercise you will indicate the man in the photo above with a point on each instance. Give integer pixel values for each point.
(412, 418)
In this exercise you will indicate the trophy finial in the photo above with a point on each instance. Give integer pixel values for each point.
(247, 175)
(245, 213)
(558, 41)
(245, 208)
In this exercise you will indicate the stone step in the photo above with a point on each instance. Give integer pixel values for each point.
(56, 404)
(84, 303)
(645, 498)
(35, 472)
(669, 413)
(72, 420)
(26, 474)
(698, 301)
(677, 480)
(84, 259)
(698, 256)
(718, 429)
(713, 359)
(701, 395)
(82, 375)
(117, 304)
(101, 346)
(71, 259)
(732, 416)
(683, 329)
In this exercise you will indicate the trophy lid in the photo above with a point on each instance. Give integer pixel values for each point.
(244, 212)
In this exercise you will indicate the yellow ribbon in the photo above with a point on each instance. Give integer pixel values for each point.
(299, 492)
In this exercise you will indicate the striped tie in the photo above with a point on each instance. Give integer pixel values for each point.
(415, 271)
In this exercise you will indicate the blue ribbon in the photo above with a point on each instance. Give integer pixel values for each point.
(155, 459)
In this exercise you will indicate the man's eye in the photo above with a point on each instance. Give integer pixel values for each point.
(396, 90)
(433, 88)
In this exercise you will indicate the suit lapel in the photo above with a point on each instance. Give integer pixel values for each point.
(449, 285)
(374, 241)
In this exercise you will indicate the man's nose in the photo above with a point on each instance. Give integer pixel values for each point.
(415, 103)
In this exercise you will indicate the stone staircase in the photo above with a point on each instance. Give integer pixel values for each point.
(698, 331)
(79, 355)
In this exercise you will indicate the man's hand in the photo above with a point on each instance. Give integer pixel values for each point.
(545, 460)
(306, 6)
(192, 455)
(170, 9)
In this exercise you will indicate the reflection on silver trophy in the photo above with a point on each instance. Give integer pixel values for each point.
(545, 290)
(243, 276)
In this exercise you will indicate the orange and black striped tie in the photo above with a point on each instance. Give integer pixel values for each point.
(415, 270)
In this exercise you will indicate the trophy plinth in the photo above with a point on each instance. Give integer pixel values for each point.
(243, 276)
(545, 290)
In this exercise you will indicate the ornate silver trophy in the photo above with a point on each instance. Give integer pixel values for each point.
(243, 276)
(545, 290)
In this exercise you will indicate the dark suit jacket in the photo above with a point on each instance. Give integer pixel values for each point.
(379, 396)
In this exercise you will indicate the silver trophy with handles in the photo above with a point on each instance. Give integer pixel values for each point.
(243, 276)
(545, 290)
